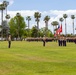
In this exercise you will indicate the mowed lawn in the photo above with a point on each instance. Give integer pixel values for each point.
(31, 58)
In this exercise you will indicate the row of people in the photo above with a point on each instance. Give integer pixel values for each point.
(61, 41)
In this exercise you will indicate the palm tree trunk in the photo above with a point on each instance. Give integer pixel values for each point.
(2, 25)
(37, 25)
(6, 11)
(73, 27)
(28, 24)
(37, 29)
(28, 27)
(46, 27)
(65, 28)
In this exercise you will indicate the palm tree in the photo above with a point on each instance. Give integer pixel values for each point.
(18, 18)
(28, 18)
(7, 16)
(73, 17)
(65, 16)
(6, 3)
(2, 7)
(46, 19)
(37, 15)
(55, 23)
(61, 20)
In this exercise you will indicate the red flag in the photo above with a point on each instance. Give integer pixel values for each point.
(59, 30)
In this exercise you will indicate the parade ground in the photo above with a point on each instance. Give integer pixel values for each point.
(32, 58)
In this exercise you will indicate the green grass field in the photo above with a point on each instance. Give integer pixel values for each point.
(31, 58)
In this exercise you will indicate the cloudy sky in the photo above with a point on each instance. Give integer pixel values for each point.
(53, 8)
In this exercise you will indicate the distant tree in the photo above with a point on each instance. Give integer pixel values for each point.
(6, 3)
(73, 17)
(37, 15)
(34, 31)
(28, 32)
(61, 20)
(2, 7)
(5, 28)
(7, 16)
(65, 16)
(28, 18)
(55, 23)
(17, 26)
(46, 19)
(42, 32)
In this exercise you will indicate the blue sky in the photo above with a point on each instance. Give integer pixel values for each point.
(43, 5)
(54, 8)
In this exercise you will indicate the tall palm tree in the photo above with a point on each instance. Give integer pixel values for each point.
(55, 23)
(2, 7)
(73, 17)
(65, 16)
(37, 15)
(6, 3)
(18, 15)
(28, 18)
(8, 17)
(61, 20)
(46, 19)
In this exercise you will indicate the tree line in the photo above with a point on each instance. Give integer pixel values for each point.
(19, 29)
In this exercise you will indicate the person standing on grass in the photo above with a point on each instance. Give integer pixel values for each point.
(64, 41)
(9, 41)
(44, 40)
(59, 40)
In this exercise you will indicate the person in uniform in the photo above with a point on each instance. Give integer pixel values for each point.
(64, 41)
(44, 40)
(9, 41)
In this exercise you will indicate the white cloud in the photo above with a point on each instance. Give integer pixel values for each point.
(11, 2)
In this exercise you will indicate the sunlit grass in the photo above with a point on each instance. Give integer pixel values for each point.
(31, 58)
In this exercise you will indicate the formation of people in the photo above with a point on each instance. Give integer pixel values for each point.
(62, 41)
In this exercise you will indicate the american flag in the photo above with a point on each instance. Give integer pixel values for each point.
(59, 30)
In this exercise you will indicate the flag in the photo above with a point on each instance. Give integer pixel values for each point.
(59, 30)
(55, 34)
